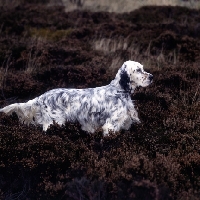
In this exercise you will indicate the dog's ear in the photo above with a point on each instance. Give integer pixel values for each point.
(124, 80)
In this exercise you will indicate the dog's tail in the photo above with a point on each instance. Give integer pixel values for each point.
(24, 111)
(10, 109)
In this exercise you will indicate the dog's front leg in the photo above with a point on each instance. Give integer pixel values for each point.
(134, 116)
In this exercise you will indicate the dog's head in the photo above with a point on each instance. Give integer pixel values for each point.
(132, 75)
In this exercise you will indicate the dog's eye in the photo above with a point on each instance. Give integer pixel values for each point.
(139, 70)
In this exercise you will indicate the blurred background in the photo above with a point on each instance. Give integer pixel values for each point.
(118, 6)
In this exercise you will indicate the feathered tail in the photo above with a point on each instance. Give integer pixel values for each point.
(24, 111)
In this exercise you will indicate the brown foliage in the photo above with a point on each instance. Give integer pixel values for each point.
(157, 159)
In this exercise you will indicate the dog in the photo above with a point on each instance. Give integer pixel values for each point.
(108, 107)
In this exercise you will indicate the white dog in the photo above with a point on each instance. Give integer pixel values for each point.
(109, 107)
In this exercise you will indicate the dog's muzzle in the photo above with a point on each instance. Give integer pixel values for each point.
(151, 78)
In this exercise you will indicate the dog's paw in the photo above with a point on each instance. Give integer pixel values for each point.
(136, 120)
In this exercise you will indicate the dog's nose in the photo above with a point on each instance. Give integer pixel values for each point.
(150, 77)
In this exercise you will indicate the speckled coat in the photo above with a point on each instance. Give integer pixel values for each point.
(109, 107)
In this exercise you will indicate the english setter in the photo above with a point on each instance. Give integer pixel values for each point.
(109, 107)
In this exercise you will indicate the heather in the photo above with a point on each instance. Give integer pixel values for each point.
(44, 48)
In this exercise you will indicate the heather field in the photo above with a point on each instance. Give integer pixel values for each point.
(44, 48)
